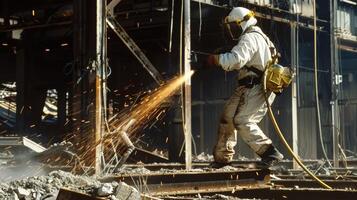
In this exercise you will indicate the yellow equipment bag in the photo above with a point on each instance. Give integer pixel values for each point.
(278, 77)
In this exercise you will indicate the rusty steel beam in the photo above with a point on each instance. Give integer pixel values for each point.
(191, 176)
(323, 177)
(308, 183)
(292, 193)
(237, 163)
(217, 187)
(182, 182)
(155, 162)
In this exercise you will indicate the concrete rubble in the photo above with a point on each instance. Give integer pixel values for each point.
(47, 187)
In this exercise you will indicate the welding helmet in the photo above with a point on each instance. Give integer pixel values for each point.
(278, 77)
(238, 20)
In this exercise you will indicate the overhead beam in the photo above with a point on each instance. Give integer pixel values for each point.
(33, 26)
(274, 14)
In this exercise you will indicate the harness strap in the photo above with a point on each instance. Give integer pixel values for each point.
(272, 49)
(256, 71)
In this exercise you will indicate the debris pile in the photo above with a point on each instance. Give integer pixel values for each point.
(47, 187)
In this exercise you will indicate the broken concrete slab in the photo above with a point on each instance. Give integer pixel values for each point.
(126, 192)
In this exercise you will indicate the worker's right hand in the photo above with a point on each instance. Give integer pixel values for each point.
(212, 61)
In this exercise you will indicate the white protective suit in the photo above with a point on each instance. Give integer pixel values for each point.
(246, 107)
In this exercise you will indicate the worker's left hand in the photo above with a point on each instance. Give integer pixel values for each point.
(212, 60)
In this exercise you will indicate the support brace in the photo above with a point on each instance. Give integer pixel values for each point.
(133, 47)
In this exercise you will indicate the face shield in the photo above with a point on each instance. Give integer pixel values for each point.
(233, 29)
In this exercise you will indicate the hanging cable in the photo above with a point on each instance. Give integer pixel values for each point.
(282, 138)
(200, 23)
(317, 89)
(171, 25)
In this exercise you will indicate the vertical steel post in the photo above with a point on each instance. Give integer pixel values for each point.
(294, 113)
(187, 69)
(100, 63)
(335, 118)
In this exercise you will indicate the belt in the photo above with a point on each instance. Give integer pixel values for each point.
(249, 81)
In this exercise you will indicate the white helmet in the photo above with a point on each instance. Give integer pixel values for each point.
(238, 20)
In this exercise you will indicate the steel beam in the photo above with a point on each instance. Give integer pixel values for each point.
(100, 95)
(306, 183)
(294, 113)
(179, 176)
(22, 141)
(86, 95)
(182, 182)
(187, 69)
(112, 4)
(133, 47)
(335, 114)
(294, 193)
(270, 13)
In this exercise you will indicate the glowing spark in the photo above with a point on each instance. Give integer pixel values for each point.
(149, 108)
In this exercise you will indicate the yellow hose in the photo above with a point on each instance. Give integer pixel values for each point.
(281, 136)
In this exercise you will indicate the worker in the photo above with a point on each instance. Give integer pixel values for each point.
(246, 107)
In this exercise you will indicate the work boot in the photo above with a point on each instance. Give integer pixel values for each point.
(218, 165)
(270, 157)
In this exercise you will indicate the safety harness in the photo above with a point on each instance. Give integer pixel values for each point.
(277, 78)
(251, 81)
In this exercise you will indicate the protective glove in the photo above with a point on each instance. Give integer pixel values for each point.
(212, 61)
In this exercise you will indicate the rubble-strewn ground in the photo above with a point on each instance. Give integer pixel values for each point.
(47, 187)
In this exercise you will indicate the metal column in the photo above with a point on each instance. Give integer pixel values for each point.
(100, 76)
(294, 113)
(87, 96)
(187, 69)
(335, 81)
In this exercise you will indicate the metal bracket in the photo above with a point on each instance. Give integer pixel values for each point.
(338, 79)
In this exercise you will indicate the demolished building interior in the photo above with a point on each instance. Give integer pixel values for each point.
(111, 99)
